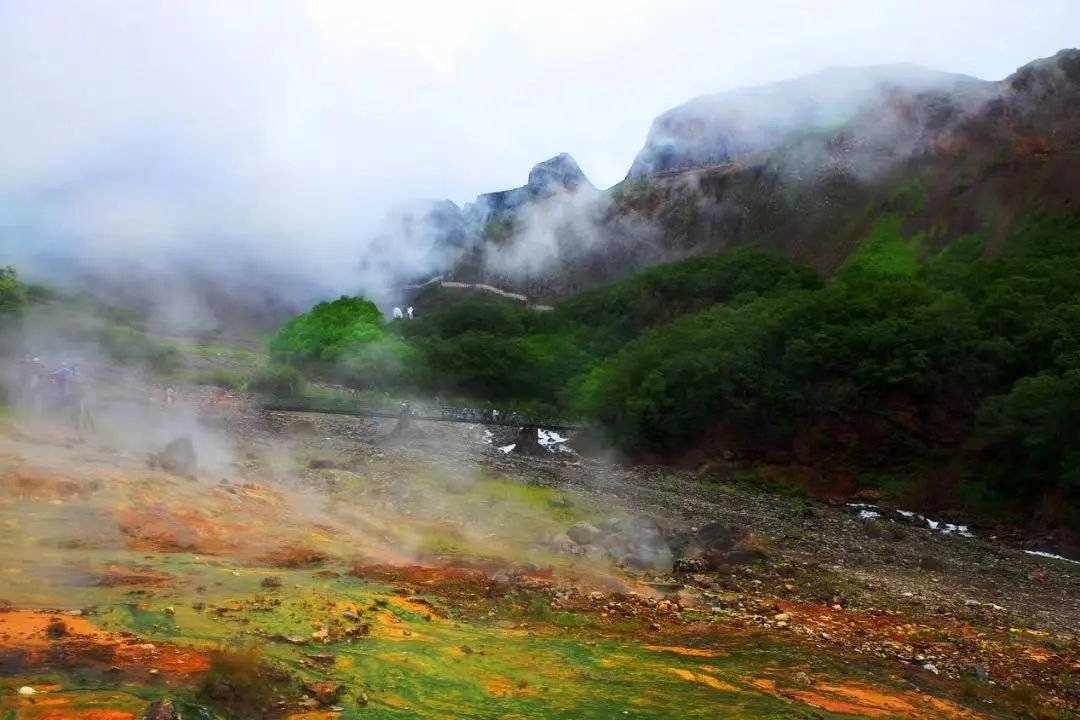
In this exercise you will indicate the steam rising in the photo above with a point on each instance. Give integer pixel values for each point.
(213, 144)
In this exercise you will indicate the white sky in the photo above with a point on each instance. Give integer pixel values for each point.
(133, 119)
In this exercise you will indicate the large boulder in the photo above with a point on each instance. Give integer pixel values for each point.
(324, 692)
(583, 533)
(719, 545)
(718, 536)
(527, 442)
(642, 544)
(178, 457)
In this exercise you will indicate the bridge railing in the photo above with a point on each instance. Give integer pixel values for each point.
(444, 413)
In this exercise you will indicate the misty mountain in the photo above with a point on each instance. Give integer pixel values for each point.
(802, 167)
(951, 155)
(454, 237)
(729, 126)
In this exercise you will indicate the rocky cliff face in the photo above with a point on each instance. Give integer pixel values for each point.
(729, 126)
(949, 154)
(452, 240)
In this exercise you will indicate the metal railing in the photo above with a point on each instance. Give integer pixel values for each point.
(424, 412)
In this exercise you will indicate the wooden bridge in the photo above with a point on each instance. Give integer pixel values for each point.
(428, 413)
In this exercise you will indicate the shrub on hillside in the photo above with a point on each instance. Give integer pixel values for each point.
(278, 380)
(12, 292)
(222, 378)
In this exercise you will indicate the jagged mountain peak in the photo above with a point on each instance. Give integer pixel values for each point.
(559, 172)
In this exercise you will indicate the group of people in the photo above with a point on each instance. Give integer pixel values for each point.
(489, 415)
(60, 390)
(398, 315)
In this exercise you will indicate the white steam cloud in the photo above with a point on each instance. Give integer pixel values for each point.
(250, 137)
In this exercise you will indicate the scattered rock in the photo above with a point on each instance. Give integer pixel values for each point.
(161, 710)
(271, 581)
(688, 599)
(27, 690)
(690, 565)
(324, 692)
(361, 630)
(583, 533)
(930, 667)
(979, 674)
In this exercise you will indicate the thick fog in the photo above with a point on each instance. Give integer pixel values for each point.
(284, 139)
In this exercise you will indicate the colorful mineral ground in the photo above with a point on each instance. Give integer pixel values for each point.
(332, 571)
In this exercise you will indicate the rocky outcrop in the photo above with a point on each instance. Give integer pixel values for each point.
(560, 174)
(970, 157)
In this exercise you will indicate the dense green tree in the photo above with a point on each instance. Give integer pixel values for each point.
(605, 319)
(903, 354)
(12, 292)
(1031, 436)
(328, 331)
(278, 380)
